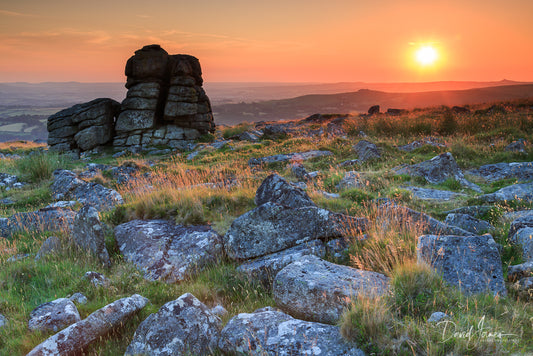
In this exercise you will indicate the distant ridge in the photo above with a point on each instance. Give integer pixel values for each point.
(361, 100)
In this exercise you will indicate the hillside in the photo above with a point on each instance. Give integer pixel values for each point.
(360, 101)
(330, 235)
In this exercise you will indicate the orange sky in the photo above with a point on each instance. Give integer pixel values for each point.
(275, 40)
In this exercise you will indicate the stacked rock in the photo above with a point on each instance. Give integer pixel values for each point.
(165, 104)
(83, 127)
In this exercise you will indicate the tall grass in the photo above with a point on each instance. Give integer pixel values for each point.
(39, 166)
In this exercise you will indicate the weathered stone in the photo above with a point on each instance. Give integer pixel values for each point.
(76, 337)
(265, 268)
(522, 270)
(182, 326)
(168, 252)
(271, 228)
(317, 290)
(473, 210)
(522, 192)
(149, 90)
(46, 219)
(469, 223)
(524, 288)
(277, 190)
(351, 180)
(437, 170)
(493, 172)
(367, 151)
(130, 120)
(53, 316)
(373, 110)
(437, 316)
(149, 64)
(271, 332)
(173, 109)
(78, 298)
(519, 146)
(135, 103)
(520, 223)
(3, 321)
(433, 194)
(417, 144)
(174, 133)
(49, 246)
(524, 237)
(92, 137)
(471, 263)
(298, 157)
(97, 279)
(88, 233)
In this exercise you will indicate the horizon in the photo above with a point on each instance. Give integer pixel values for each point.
(296, 42)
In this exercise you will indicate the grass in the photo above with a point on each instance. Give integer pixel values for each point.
(218, 186)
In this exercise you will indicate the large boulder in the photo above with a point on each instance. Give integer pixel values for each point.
(520, 192)
(182, 326)
(46, 219)
(437, 170)
(493, 172)
(471, 263)
(168, 252)
(265, 268)
(271, 332)
(277, 190)
(75, 338)
(272, 227)
(83, 126)
(53, 316)
(317, 290)
(89, 234)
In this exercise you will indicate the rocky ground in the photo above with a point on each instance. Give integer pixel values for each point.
(333, 235)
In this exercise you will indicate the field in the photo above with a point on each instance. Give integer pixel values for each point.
(218, 185)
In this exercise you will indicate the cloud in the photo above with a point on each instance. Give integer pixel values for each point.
(15, 14)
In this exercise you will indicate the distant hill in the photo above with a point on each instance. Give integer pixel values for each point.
(360, 101)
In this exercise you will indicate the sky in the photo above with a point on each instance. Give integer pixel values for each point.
(270, 41)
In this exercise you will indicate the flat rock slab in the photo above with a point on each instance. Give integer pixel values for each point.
(298, 156)
(73, 339)
(433, 194)
(272, 332)
(182, 326)
(54, 315)
(522, 192)
(267, 267)
(46, 219)
(471, 263)
(165, 251)
(271, 228)
(317, 290)
(437, 170)
(469, 223)
(494, 172)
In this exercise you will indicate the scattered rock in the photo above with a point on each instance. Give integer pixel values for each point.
(49, 246)
(277, 190)
(524, 237)
(437, 316)
(520, 223)
(336, 247)
(97, 279)
(272, 332)
(430, 141)
(271, 228)
(165, 251)
(220, 144)
(513, 215)
(471, 263)
(183, 326)
(373, 110)
(437, 170)
(367, 151)
(522, 171)
(524, 288)
(433, 194)
(66, 186)
(62, 204)
(218, 310)
(351, 162)
(3, 321)
(8, 181)
(88, 233)
(274, 132)
(522, 192)
(78, 298)
(520, 271)
(76, 337)
(18, 257)
(474, 210)
(317, 290)
(517, 146)
(351, 180)
(265, 268)
(298, 170)
(53, 316)
(469, 223)
(299, 156)
(7, 201)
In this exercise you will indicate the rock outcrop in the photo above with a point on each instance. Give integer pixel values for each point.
(84, 126)
(165, 105)
(88, 233)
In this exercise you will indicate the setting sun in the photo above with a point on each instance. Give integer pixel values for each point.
(426, 55)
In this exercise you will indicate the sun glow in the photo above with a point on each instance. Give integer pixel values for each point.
(426, 55)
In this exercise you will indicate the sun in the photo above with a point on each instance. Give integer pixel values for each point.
(426, 55)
